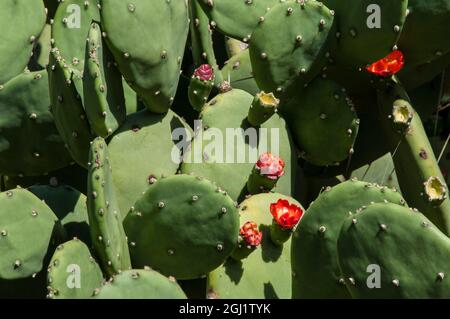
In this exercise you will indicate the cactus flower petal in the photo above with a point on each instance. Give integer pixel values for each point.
(286, 215)
(250, 233)
(388, 65)
(270, 166)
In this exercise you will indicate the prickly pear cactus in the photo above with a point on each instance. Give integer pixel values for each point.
(324, 122)
(208, 234)
(102, 86)
(140, 284)
(73, 273)
(425, 189)
(67, 107)
(185, 136)
(238, 71)
(265, 273)
(223, 13)
(29, 141)
(290, 45)
(437, 12)
(227, 113)
(151, 70)
(70, 29)
(152, 152)
(69, 205)
(368, 30)
(382, 251)
(315, 268)
(29, 229)
(16, 43)
(105, 220)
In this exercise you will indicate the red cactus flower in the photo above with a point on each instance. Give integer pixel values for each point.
(250, 233)
(389, 65)
(285, 215)
(270, 166)
(204, 72)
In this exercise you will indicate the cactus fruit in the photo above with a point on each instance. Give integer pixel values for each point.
(140, 284)
(264, 273)
(16, 43)
(152, 71)
(263, 107)
(28, 230)
(200, 87)
(389, 251)
(102, 86)
(29, 141)
(105, 220)
(315, 267)
(264, 177)
(201, 40)
(73, 273)
(209, 227)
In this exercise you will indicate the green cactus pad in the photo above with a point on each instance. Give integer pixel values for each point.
(418, 172)
(433, 32)
(323, 122)
(228, 112)
(199, 92)
(131, 99)
(73, 175)
(151, 65)
(201, 40)
(29, 141)
(380, 171)
(237, 19)
(266, 272)
(140, 284)
(183, 226)
(314, 257)
(28, 230)
(41, 51)
(105, 219)
(368, 29)
(238, 71)
(289, 47)
(147, 137)
(69, 205)
(17, 38)
(403, 244)
(67, 107)
(73, 273)
(70, 29)
(102, 86)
